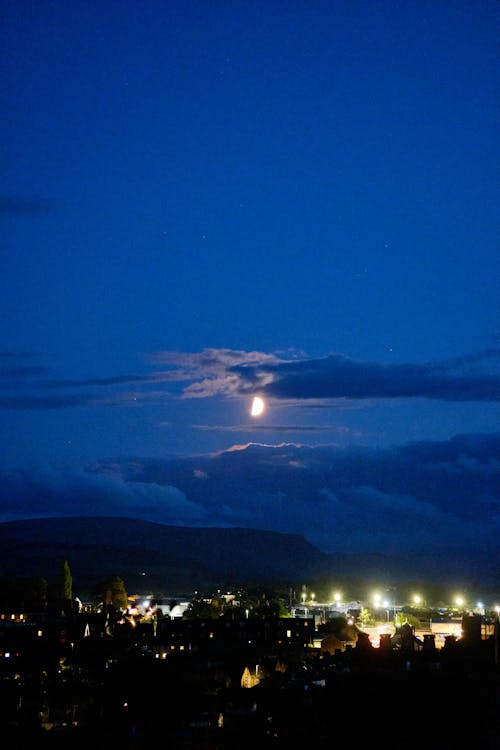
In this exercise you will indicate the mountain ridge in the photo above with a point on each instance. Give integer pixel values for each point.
(161, 557)
(146, 552)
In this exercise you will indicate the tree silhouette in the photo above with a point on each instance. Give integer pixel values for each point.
(66, 582)
(111, 593)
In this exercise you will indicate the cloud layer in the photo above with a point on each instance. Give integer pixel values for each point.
(426, 497)
(237, 373)
(338, 376)
(46, 492)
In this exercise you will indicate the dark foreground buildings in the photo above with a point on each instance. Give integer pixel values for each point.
(236, 684)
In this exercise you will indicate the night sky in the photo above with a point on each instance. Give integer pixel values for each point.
(206, 201)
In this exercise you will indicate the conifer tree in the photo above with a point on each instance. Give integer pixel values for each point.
(111, 592)
(66, 582)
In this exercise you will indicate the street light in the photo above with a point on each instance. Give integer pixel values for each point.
(376, 598)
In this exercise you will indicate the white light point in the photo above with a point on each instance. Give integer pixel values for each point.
(258, 407)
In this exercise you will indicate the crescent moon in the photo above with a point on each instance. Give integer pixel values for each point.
(258, 406)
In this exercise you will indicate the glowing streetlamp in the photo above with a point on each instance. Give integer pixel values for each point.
(377, 600)
(417, 599)
(336, 599)
(459, 601)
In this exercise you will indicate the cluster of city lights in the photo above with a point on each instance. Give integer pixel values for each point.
(417, 600)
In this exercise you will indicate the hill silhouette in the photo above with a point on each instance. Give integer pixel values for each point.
(177, 559)
(151, 555)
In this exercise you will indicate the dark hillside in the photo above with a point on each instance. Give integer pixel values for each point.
(150, 555)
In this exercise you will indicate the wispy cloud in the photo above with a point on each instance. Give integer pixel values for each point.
(213, 372)
(331, 381)
(230, 373)
(269, 428)
(118, 380)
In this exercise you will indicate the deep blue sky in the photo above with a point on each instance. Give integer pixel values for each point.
(315, 183)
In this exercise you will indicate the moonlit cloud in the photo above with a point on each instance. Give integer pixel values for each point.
(328, 381)
(433, 498)
(215, 371)
(211, 360)
(424, 495)
(226, 372)
(338, 376)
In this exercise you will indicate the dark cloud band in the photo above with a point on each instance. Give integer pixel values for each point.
(337, 376)
(223, 372)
